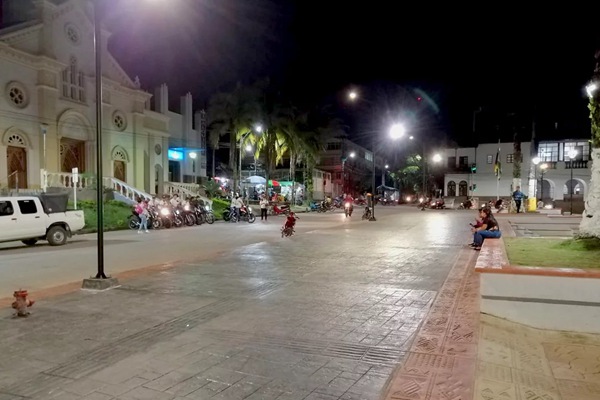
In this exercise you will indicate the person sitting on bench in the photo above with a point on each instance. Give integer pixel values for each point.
(489, 228)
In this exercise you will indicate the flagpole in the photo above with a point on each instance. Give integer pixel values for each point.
(498, 189)
(498, 170)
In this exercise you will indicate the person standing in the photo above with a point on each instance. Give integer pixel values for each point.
(264, 205)
(142, 210)
(518, 198)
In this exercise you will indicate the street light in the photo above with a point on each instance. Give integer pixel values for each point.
(99, 187)
(396, 132)
(535, 161)
(437, 158)
(258, 129)
(97, 37)
(572, 154)
(193, 156)
(543, 167)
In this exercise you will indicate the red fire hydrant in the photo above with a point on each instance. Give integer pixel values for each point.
(21, 303)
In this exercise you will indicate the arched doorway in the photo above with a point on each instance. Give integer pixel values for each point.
(574, 187)
(462, 188)
(76, 145)
(120, 160)
(16, 158)
(451, 192)
(72, 155)
(546, 190)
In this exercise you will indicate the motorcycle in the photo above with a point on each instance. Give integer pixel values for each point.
(246, 214)
(227, 214)
(367, 213)
(437, 204)
(287, 229)
(314, 206)
(189, 215)
(348, 208)
(205, 214)
(154, 221)
(466, 205)
(276, 210)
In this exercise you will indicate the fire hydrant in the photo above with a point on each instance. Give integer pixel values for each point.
(21, 303)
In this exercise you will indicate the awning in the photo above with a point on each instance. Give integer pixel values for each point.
(255, 179)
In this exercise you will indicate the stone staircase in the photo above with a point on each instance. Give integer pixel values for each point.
(122, 191)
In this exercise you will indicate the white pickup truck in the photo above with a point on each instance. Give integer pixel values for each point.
(33, 218)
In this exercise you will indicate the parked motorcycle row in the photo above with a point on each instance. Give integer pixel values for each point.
(169, 216)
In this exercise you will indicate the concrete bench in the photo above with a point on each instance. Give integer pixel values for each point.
(547, 298)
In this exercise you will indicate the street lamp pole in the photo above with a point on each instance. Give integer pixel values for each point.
(373, 180)
(572, 154)
(535, 161)
(99, 187)
(543, 168)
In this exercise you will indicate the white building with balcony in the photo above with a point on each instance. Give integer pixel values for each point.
(555, 177)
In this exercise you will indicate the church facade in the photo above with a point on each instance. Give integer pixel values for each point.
(48, 107)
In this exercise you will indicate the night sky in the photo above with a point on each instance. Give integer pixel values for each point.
(508, 60)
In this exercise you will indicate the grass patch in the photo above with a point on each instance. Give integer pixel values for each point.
(553, 253)
(115, 215)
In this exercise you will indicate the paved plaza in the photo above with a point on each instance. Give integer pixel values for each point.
(327, 314)
(343, 310)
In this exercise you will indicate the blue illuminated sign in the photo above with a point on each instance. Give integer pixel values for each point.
(175, 155)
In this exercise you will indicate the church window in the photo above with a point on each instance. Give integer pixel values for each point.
(119, 120)
(17, 95)
(73, 82)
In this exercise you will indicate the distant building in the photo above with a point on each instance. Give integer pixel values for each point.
(348, 163)
(460, 180)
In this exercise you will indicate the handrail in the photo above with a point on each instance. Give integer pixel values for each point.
(126, 190)
(177, 188)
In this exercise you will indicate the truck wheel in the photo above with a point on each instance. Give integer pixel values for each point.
(29, 242)
(56, 236)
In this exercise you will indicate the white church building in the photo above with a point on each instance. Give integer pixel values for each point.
(48, 110)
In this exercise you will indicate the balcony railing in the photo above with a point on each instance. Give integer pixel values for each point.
(576, 164)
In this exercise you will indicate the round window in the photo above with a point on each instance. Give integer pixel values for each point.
(17, 95)
(119, 120)
(72, 33)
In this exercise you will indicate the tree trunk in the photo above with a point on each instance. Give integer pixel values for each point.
(293, 176)
(233, 165)
(214, 161)
(590, 221)
(308, 181)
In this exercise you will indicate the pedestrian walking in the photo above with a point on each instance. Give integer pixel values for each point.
(264, 205)
(518, 198)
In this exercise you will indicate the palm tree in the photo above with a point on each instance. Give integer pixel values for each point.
(232, 114)
(590, 223)
(409, 176)
(309, 132)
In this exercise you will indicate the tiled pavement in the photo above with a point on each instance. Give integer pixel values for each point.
(326, 315)
(373, 309)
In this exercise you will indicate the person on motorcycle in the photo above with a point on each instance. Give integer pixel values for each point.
(290, 221)
(349, 199)
(237, 204)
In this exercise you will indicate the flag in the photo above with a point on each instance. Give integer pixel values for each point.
(498, 165)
